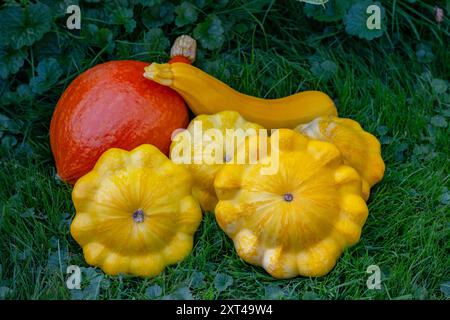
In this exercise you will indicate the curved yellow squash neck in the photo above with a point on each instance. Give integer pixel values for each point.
(207, 95)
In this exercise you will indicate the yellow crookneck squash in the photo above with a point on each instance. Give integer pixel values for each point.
(359, 149)
(134, 212)
(204, 171)
(207, 95)
(299, 220)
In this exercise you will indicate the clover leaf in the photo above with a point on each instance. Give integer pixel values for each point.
(438, 121)
(124, 17)
(222, 281)
(382, 130)
(158, 15)
(445, 288)
(57, 260)
(356, 21)
(199, 3)
(49, 46)
(439, 86)
(8, 142)
(100, 37)
(153, 292)
(322, 68)
(155, 40)
(274, 292)
(424, 53)
(186, 14)
(5, 292)
(210, 33)
(148, 3)
(316, 2)
(446, 112)
(24, 26)
(48, 73)
(219, 4)
(183, 293)
(68, 51)
(91, 291)
(11, 61)
(93, 14)
(59, 7)
(333, 10)
(197, 280)
(310, 295)
(445, 196)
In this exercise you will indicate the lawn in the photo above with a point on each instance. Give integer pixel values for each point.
(384, 84)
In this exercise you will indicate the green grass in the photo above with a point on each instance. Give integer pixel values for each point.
(406, 234)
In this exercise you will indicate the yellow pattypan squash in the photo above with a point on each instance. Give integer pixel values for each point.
(204, 172)
(134, 212)
(360, 149)
(298, 220)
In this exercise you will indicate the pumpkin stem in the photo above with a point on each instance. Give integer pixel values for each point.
(288, 197)
(138, 216)
(184, 49)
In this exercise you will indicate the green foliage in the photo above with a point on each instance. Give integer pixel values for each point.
(48, 73)
(210, 33)
(153, 292)
(154, 40)
(123, 16)
(333, 10)
(182, 293)
(399, 17)
(24, 26)
(11, 60)
(424, 53)
(158, 15)
(11, 131)
(222, 281)
(445, 288)
(91, 286)
(186, 14)
(395, 85)
(143, 30)
(197, 280)
(356, 21)
(126, 29)
(274, 292)
(322, 68)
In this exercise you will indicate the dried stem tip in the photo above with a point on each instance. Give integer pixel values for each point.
(184, 46)
(138, 216)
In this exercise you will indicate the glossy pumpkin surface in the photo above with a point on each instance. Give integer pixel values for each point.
(359, 149)
(298, 220)
(203, 171)
(134, 212)
(111, 105)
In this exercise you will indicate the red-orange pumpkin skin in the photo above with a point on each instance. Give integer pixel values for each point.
(112, 105)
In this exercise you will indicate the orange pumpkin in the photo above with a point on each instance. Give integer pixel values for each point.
(113, 105)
